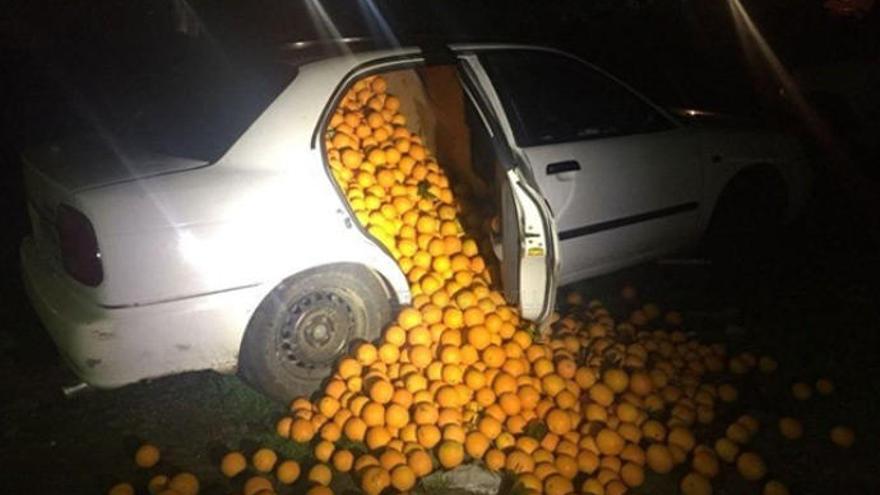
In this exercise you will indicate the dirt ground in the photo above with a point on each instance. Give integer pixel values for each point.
(813, 305)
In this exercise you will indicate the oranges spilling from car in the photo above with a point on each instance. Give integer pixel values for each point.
(459, 377)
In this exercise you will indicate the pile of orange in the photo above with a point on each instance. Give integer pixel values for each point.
(459, 378)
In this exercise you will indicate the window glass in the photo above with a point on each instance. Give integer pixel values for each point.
(550, 98)
(195, 103)
(177, 96)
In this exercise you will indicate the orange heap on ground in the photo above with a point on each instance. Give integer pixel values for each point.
(458, 377)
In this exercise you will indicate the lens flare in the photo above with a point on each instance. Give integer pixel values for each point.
(379, 27)
(324, 25)
(761, 57)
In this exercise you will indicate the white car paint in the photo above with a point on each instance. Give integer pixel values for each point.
(620, 177)
(526, 230)
(623, 177)
(174, 246)
(189, 249)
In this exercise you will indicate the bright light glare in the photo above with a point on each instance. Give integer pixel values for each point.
(378, 25)
(238, 249)
(757, 50)
(325, 26)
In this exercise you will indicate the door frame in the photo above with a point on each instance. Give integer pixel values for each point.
(479, 89)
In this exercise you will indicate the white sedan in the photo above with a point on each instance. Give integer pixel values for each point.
(234, 250)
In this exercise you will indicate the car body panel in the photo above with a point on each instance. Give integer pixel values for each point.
(233, 223)
(219, 237)
(112, 347)
(91, 161)
(729, 151)
(632, 195)
(641, 196)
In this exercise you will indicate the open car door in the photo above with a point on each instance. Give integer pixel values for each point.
(529, 244)
(529, 262)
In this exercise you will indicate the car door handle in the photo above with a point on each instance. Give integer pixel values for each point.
(566, 166)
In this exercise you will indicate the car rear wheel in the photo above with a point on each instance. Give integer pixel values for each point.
(306, 324)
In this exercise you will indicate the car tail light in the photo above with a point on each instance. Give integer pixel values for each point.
(79, 246)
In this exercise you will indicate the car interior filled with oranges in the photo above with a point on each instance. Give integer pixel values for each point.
(591, 402)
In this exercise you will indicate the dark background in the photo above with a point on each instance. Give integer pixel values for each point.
(69, 66)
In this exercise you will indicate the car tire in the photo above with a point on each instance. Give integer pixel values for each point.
(300, 330)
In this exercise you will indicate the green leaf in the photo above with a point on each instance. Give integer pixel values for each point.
(423, 190)
(535, 429)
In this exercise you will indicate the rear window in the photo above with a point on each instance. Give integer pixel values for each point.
(551, 98)
(195, 106)
(175, 95)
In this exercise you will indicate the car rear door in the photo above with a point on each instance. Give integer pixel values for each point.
(529, 242)
(621, 177)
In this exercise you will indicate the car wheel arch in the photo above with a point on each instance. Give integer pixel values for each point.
(275, 297)
(764, 175)
(393, 296)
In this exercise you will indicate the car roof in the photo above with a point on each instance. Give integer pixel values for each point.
(302, 52)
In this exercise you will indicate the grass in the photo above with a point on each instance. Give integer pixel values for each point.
(433, 485)
(535, 429)
(510, 485)
(287, 449)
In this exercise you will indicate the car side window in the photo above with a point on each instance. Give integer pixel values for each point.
(551, 98)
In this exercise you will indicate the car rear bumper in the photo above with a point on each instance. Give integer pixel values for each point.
(110, 347)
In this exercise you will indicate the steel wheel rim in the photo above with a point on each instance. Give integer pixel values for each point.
(317, 328)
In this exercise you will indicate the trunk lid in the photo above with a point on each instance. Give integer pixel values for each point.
(89, 162)
(55, 173)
